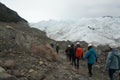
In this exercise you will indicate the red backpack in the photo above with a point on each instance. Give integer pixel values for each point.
(79, 52)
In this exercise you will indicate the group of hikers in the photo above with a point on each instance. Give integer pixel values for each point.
(75, 53)
(56, 46)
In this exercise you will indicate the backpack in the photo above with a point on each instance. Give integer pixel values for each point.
(118, 58)
(68, 51)
(79, 52)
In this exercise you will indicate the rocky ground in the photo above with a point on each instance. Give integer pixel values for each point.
(29, 66)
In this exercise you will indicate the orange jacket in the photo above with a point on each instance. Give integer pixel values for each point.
(79, 52)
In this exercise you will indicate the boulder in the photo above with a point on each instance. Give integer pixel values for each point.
(2, 70)
(10, 64)
(5, 76)
(44, 50)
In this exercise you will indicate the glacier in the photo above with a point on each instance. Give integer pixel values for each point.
(97, 31)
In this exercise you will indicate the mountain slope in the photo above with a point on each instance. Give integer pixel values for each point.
(102, 30)
(23, 53)
(8, 15)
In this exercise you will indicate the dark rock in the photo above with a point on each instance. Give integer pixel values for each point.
(8, 15)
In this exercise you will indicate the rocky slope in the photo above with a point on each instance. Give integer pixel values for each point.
(8, 15)
(21, 47)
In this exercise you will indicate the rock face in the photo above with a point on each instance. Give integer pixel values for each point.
(19, 37)
(18, 56)
(8, 15)
(15, 32)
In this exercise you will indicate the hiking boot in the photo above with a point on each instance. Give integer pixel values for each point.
(112, 79)
(90, 75)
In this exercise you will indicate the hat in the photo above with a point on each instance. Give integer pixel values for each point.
(68, 45)
(78, 43)
(89, 45)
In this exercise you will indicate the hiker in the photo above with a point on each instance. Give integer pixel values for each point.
(57, 48)
(68, 52)
(78, 55)
(112, 62)
(52, 45)
(72, 54)
(91, 57)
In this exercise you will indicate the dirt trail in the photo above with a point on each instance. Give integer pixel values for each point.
(82, 73)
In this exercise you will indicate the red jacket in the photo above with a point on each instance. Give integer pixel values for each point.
(79, 52)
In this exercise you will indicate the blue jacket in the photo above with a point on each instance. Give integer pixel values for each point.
(112, 61)
(91, 56)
